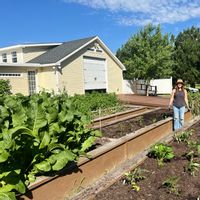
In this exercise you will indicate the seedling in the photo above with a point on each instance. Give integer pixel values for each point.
(154, 120)
(141, 120)
(133, 177)
(183, 137)
(162, 153)
(192, 167)
(171, 184)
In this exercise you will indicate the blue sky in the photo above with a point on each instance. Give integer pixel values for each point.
(114, 21)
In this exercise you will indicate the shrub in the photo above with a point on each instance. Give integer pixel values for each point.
(5, 87)
(194, 103)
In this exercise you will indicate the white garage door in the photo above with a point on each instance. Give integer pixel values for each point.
(94, 74)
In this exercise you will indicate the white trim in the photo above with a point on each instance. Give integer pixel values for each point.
(86, 44)
(26, 65)
(69, 55)
(29, 45)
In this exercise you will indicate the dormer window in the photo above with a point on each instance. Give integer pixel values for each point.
(4, 57)
(14, 56)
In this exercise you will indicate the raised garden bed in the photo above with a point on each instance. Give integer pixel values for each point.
(122, 128)
(186, 188)
(102, 160)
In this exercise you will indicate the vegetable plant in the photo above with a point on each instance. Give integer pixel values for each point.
(133, 177)
(162, 153)
(192, 167)
(184, 136)
(171, 184)
(39, 134)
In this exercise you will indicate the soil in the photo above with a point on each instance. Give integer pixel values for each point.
(187, 187)
(120, 129)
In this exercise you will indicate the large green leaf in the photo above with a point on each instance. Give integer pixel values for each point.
(40, 120)
(43, 166)
(61, 159)
(3, 155)
(7, 196)
(45, 140)
(87, 143)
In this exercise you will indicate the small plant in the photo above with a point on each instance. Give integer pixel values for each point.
(192, 167)
(141, 120)
(133, 177)
(162, 153)
(154, 120)
(183, 137)
(171, 184)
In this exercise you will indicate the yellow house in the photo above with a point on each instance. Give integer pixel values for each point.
(76, 66)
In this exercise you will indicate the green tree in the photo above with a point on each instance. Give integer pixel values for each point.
(5, 87)
(187, 56)
(148, 54)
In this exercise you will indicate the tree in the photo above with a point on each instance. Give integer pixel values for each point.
(5, 87)
(147, 55)
(187, 56)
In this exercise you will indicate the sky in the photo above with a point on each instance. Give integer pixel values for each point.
(114, 21)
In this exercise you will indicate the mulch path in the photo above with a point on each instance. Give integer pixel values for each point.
(151, 187)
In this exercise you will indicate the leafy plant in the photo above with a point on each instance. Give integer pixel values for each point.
(5, 87)
(141, 120)
(184, 136)
(39, 134)
(194, 103)
(171, 183)
(133, 177)
(192, 167)
(162, 153)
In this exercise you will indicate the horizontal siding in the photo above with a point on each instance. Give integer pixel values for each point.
(19, 84)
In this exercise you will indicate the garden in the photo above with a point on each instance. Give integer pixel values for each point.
(43, 134)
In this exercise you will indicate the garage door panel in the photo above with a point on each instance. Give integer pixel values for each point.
(94, 74)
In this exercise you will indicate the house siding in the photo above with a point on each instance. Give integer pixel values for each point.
(32, 52)
(46, 79)
(9, 56)
(19, 84)
(72, 77)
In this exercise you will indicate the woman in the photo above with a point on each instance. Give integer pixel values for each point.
(179, 99)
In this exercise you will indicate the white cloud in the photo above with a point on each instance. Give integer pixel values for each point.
(141, 12)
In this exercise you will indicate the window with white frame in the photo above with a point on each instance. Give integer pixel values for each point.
(4, 57)
(14, 56)
(10, 74)
(32, 82)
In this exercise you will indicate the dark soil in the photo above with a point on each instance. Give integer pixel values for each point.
(128, 126)
(188, 186)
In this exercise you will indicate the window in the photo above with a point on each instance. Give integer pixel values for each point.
(14, 56)
(31, 82)
(4, 57)
(10, 75)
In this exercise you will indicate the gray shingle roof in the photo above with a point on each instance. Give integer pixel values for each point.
(59, 52)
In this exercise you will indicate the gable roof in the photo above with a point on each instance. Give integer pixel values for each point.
(60, 53)
(56, 54)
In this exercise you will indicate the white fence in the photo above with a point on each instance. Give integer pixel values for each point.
(164, 86)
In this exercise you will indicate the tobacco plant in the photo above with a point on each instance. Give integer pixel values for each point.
(162, 153)
(39, 134)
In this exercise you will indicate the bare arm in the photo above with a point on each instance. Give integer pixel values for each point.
(171, 98)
